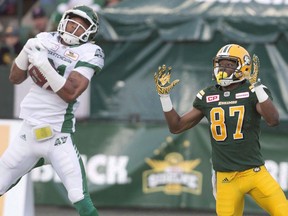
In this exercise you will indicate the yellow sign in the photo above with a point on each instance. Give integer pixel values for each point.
(173, 175)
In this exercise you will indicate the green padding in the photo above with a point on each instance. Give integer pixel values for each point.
(6, 93)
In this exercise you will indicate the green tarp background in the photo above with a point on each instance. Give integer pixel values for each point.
(6, 94)
(138, 36)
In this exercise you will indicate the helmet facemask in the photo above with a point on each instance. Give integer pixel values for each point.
(221, 73)
(88, 34)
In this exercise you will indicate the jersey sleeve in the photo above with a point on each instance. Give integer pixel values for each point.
(46, 38)
(91, 62)
(198, 101)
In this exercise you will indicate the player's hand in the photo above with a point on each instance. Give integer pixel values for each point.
(253, 79)
(32, 42)
(38, 55)
(162, 80)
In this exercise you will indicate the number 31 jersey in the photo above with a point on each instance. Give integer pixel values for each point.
(234, 126)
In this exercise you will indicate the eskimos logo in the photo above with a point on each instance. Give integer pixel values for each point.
(173, 175)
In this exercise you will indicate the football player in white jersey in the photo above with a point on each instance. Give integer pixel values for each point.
(67, 59)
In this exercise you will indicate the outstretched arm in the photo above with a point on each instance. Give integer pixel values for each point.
(176, 123)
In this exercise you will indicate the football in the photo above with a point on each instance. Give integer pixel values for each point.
(38, 77)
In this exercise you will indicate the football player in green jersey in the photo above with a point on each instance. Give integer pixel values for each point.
(233, 108)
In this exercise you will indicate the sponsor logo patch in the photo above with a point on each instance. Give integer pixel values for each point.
(242, 95)
(212, 98)
(71, 55)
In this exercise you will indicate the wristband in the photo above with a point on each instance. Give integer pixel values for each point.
(55, 80)
(166, 102)
(261, 94)
(22, 60)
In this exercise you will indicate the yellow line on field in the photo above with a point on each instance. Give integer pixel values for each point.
(4, 141)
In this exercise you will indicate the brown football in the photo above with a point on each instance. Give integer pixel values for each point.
(38, 77)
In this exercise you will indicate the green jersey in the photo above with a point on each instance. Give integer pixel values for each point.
(234, 126)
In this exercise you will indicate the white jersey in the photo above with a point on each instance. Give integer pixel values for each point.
(41, 106)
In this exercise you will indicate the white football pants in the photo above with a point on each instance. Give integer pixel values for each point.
(59, 151)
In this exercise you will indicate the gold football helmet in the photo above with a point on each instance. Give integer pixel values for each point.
(235, 53)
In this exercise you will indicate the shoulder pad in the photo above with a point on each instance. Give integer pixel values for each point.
(200, 94)
(43, 35)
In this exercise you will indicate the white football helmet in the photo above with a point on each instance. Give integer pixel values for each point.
(89, 15)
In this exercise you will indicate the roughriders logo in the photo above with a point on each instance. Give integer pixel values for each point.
(173, 175)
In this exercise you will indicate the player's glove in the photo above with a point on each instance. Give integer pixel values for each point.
(38, 56)
(162, 80)
(256, 82)
(32, 42)
(22, 59)
(253, 79)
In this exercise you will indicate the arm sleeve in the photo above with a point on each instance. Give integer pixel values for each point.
(91, 62)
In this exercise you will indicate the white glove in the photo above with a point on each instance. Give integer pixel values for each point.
(22, 59)
(32, 42)
(38, 56)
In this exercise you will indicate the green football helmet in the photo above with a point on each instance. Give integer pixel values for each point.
(89, 15)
